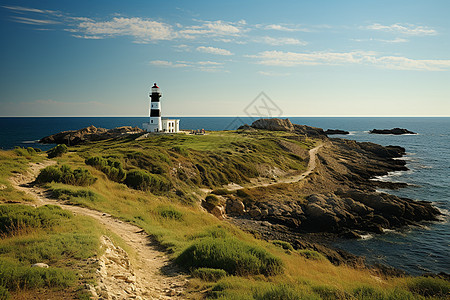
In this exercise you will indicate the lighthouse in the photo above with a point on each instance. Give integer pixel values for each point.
(158, 124)
(155, 124)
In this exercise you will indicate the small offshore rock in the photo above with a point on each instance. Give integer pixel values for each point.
(336, 131)
(396, 131)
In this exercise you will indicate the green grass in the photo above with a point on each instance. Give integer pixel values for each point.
(11, 164)
(15, 277)
(48, 235)
(428, 286)
(196, 240)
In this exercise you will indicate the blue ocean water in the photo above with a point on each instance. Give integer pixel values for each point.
(415, 250)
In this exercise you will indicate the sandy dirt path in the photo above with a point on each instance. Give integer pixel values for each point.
(288, 179)
(151, 276)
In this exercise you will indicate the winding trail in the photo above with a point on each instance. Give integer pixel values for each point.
(288, 179)
(151, 276)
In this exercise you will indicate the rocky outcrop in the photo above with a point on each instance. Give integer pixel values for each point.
(312, 132)
(273, 124)
(335, 131)
(347, 213)
(396, 131)
(91, 133)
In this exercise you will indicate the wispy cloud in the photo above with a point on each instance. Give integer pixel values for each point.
(213, 50)
(212, 28)
(285, 27)
(142, 30)
(204, 66)
(165, 63)
(87, 37)
(31, 21)
(273, 74)
(289, 59)
(28, 9)
(406, 29)
(277, 41)
(392, 41)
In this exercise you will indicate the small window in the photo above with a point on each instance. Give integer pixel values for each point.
(151, 121)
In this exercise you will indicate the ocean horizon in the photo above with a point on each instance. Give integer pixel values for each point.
(416, 250)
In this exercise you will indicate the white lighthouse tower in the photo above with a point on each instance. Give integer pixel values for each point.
(158, 124)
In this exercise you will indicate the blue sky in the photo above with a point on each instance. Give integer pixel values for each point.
(210, 58)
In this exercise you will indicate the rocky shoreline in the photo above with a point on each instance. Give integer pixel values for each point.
(338, 200)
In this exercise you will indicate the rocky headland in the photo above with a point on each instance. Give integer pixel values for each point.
(395, 131)
(338, 199)
(89, 134)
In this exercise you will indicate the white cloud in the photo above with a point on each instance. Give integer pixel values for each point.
(143, 30)
(214, 50)
(280, 41)
(406, 29)
(289, 59)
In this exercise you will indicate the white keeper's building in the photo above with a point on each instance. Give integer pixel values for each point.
(158, 124)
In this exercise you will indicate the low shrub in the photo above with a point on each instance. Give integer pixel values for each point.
(212, 200)
(57, 151)
(367, 293)
(285, 245)
(208, 274)
(65, 174)
(311, 254)
(181, 150)
(221, 192)
(429, 287)
(169, 212)
(141, 180)
(67, 194)
(330, 293)
(231, 255)
(15, 277)
(27, 152)
(111, 167)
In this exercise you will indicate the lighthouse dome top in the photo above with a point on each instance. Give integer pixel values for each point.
(155, 89)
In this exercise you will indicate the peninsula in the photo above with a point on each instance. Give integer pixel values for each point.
(208, 211)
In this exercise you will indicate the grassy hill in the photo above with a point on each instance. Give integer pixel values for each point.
(158, 183)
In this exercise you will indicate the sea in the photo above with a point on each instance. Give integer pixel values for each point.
(416, 250)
